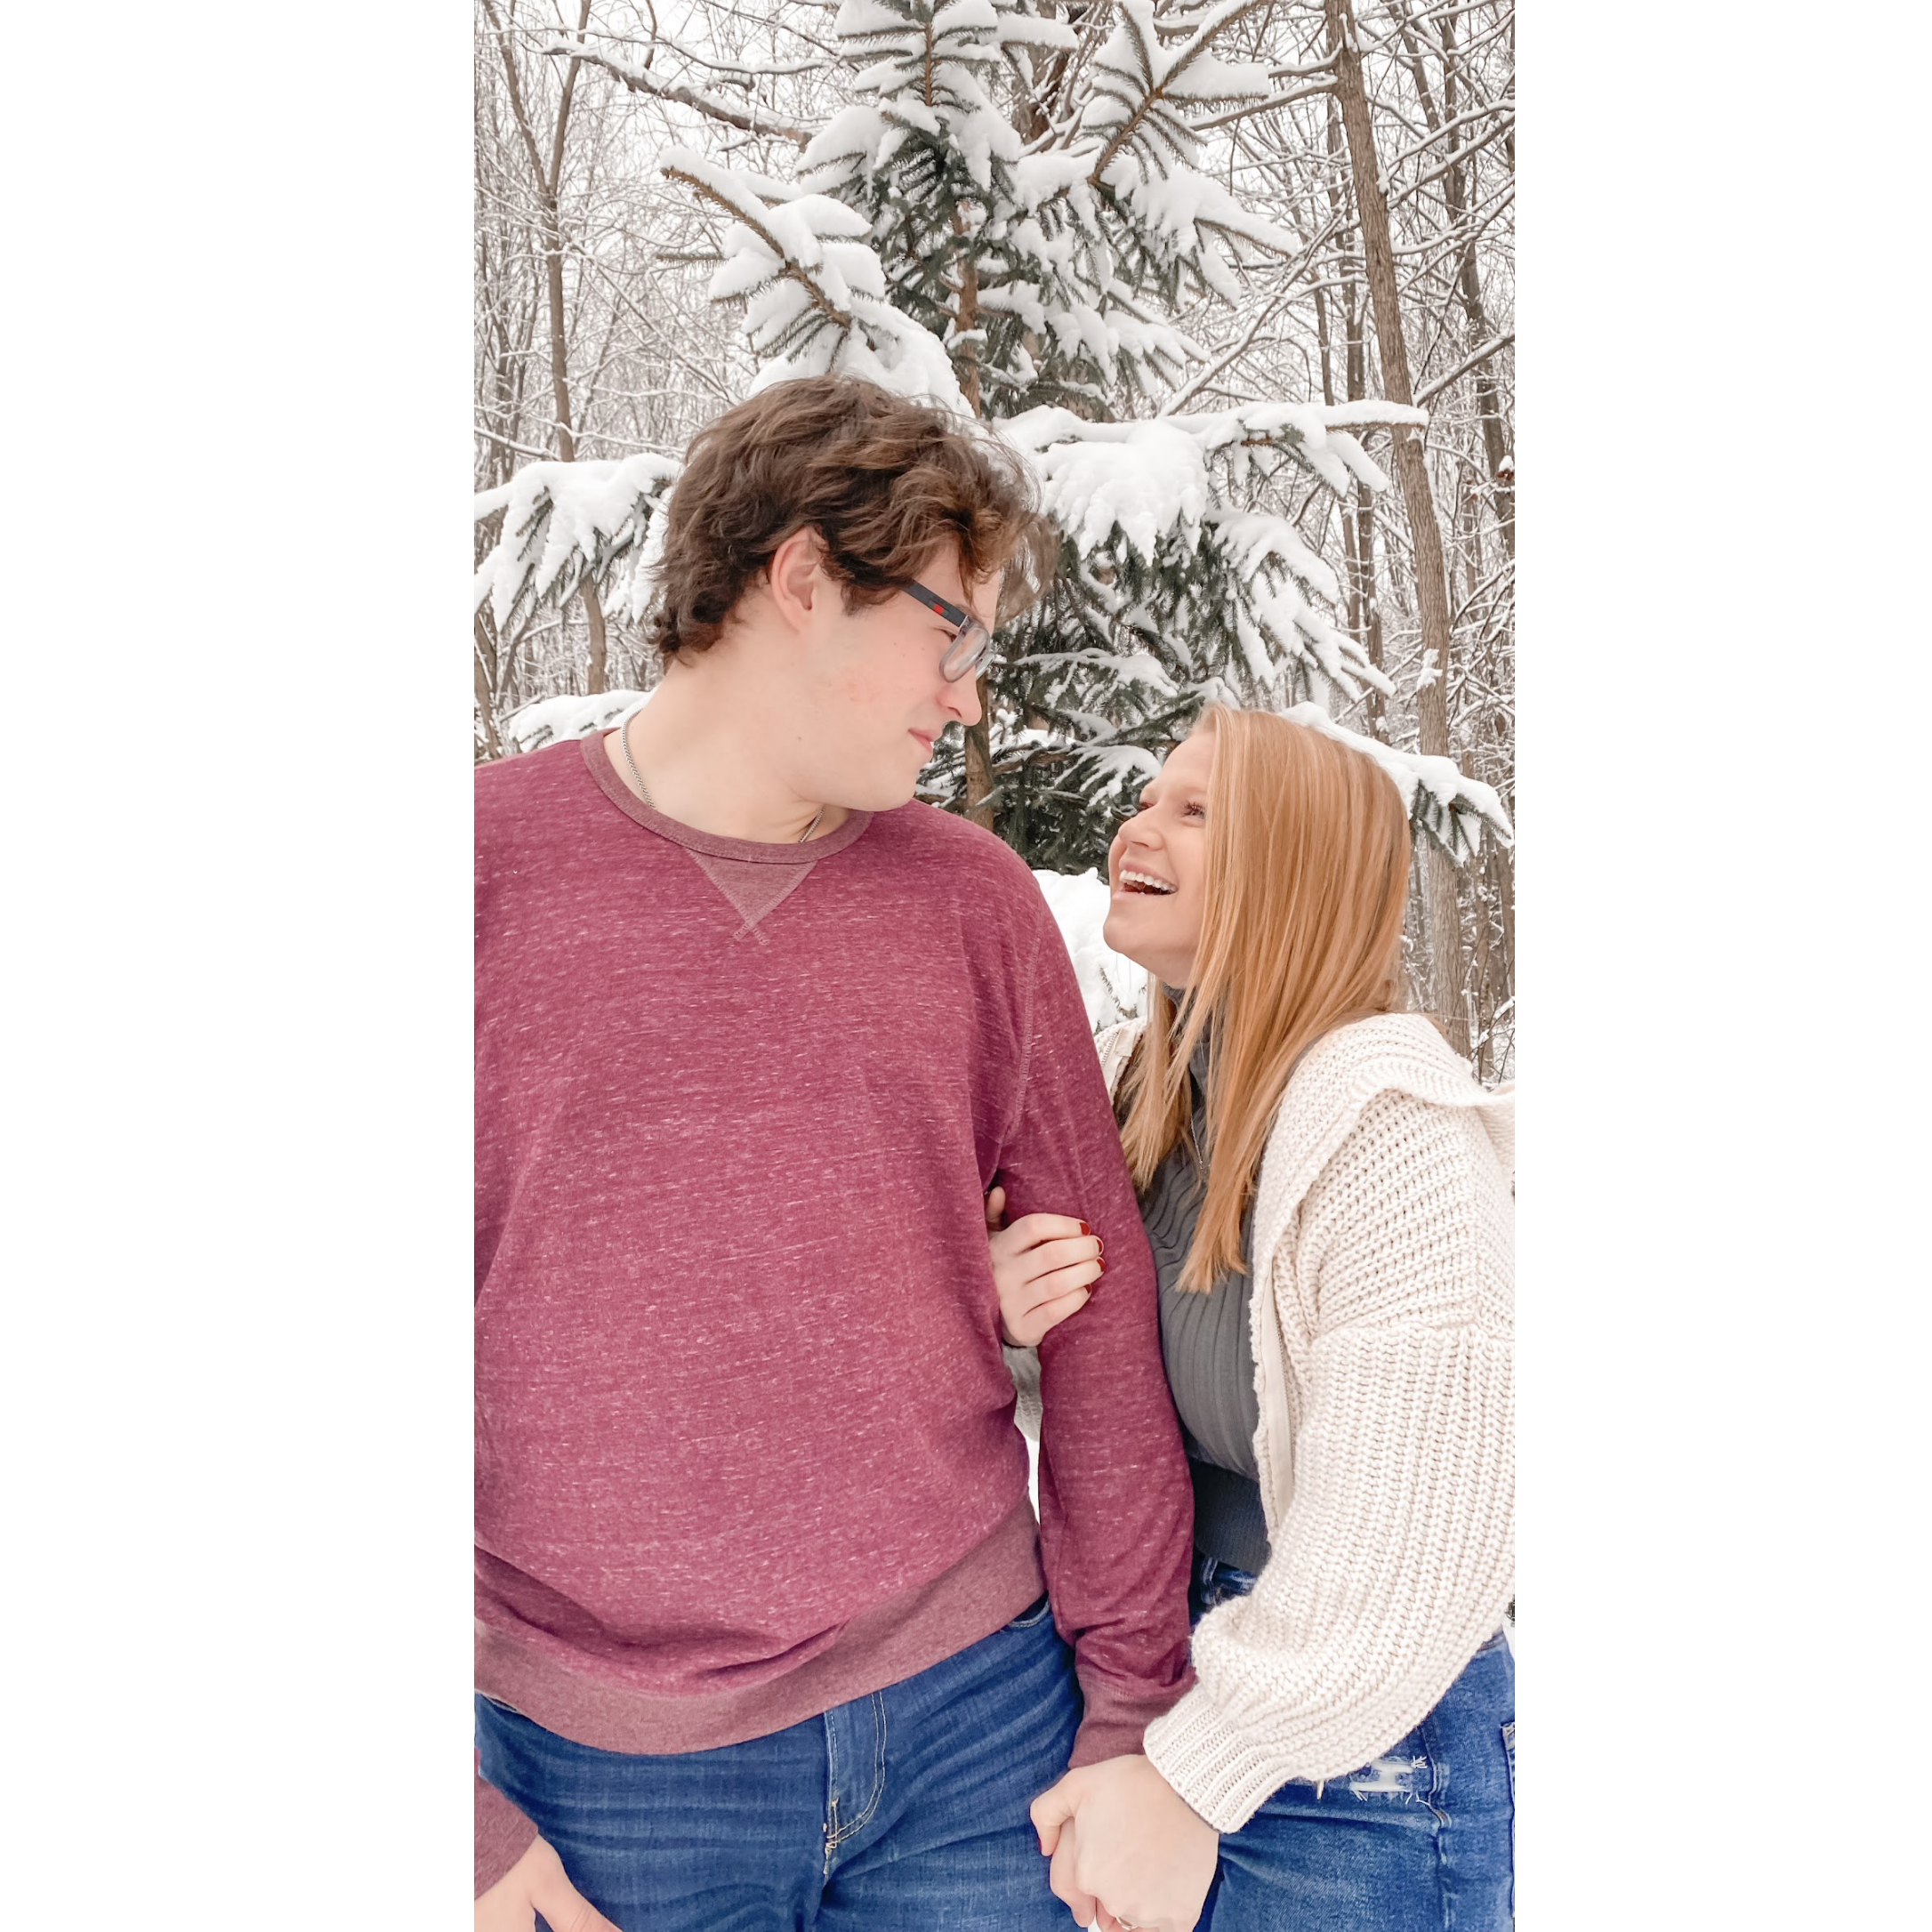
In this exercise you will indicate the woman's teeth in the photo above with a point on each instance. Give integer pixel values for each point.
(1140, 881)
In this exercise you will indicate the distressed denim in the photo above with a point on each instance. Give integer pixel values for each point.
(904, 1809)
(1422, 1839)
(1212, 1583)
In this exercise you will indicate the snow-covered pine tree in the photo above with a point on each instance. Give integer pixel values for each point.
(1005, 217)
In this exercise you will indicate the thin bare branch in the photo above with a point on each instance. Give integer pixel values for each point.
(748, 119)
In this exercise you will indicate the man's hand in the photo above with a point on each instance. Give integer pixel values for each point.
(1125, 1845)
(537, 1883)
(1044, 1266)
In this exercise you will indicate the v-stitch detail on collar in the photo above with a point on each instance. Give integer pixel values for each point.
(753, 889)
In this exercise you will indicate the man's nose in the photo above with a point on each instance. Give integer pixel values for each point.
(962, 698)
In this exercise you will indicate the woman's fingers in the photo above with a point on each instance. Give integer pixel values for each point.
(1031, 1290)
(1023, 1327)
(1052, 1254)
(1031, 1229)
(1015, 1262)
(1060, 1281)
(1034, 1270)
(1044, 1267)
(1048, 1315)
(1026, 1259)
(996, 1207)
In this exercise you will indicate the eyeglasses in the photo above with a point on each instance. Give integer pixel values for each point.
(972, 647)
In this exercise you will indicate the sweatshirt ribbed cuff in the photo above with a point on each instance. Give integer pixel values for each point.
(1104, 1737)
(1116, 1722)
(503, 1835)
(1225, 1778)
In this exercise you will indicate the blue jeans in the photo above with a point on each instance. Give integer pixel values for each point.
(905, 1811)
(1422, 1838)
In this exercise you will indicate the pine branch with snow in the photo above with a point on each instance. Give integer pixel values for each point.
(1444, 803)
(566, 524)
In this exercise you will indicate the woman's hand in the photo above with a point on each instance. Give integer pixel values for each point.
(1127, 1849)
(1044, 1266)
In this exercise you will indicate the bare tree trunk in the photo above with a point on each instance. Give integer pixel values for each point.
(594, 616)
(1356, 528)
(485, 660)
(1485, 968)
(1502, 875)
(1492, 882)
(1358, 519)
(549, 185)
(1498, 875)
(1355, 612)
(979, 806)
(979, 766)
(1431, 585)
(1322, 345)
(1468, 285)
(1363, 521)
(965, 319)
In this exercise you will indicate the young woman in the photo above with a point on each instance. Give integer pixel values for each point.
(1327, 1193)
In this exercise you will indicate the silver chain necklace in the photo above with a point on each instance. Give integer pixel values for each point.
(644, 791)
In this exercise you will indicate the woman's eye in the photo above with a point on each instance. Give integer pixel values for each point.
(1194, 811)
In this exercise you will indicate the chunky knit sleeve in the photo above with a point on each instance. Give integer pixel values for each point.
(1394, 1559)
(1023, 1364)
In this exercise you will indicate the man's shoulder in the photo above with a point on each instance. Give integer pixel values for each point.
(516, 797)
(956, 855)
(503, 783)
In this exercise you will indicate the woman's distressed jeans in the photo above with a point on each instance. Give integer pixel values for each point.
(1422, 1840)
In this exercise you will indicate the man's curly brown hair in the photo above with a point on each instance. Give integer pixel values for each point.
(882, 480)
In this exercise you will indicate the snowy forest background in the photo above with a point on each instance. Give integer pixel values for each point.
(1238, 277)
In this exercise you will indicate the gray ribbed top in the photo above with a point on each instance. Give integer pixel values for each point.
(1210, 1358)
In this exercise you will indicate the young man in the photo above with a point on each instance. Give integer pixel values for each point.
(762, 1636)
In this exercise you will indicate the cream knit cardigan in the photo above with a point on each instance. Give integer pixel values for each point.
(1382, 1365)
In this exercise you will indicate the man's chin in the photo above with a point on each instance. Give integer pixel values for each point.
(882, 795)
(880, 783)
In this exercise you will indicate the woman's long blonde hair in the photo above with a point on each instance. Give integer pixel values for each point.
(1307, 875)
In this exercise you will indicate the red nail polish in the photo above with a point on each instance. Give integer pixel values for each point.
(1085, 1229)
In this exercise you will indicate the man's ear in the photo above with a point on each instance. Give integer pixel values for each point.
(796, 577)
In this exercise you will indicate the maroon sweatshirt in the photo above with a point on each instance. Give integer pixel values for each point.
(744, 1434)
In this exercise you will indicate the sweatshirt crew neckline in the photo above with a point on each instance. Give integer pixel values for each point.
(712, 844)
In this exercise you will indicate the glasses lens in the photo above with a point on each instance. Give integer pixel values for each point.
(968, 652)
